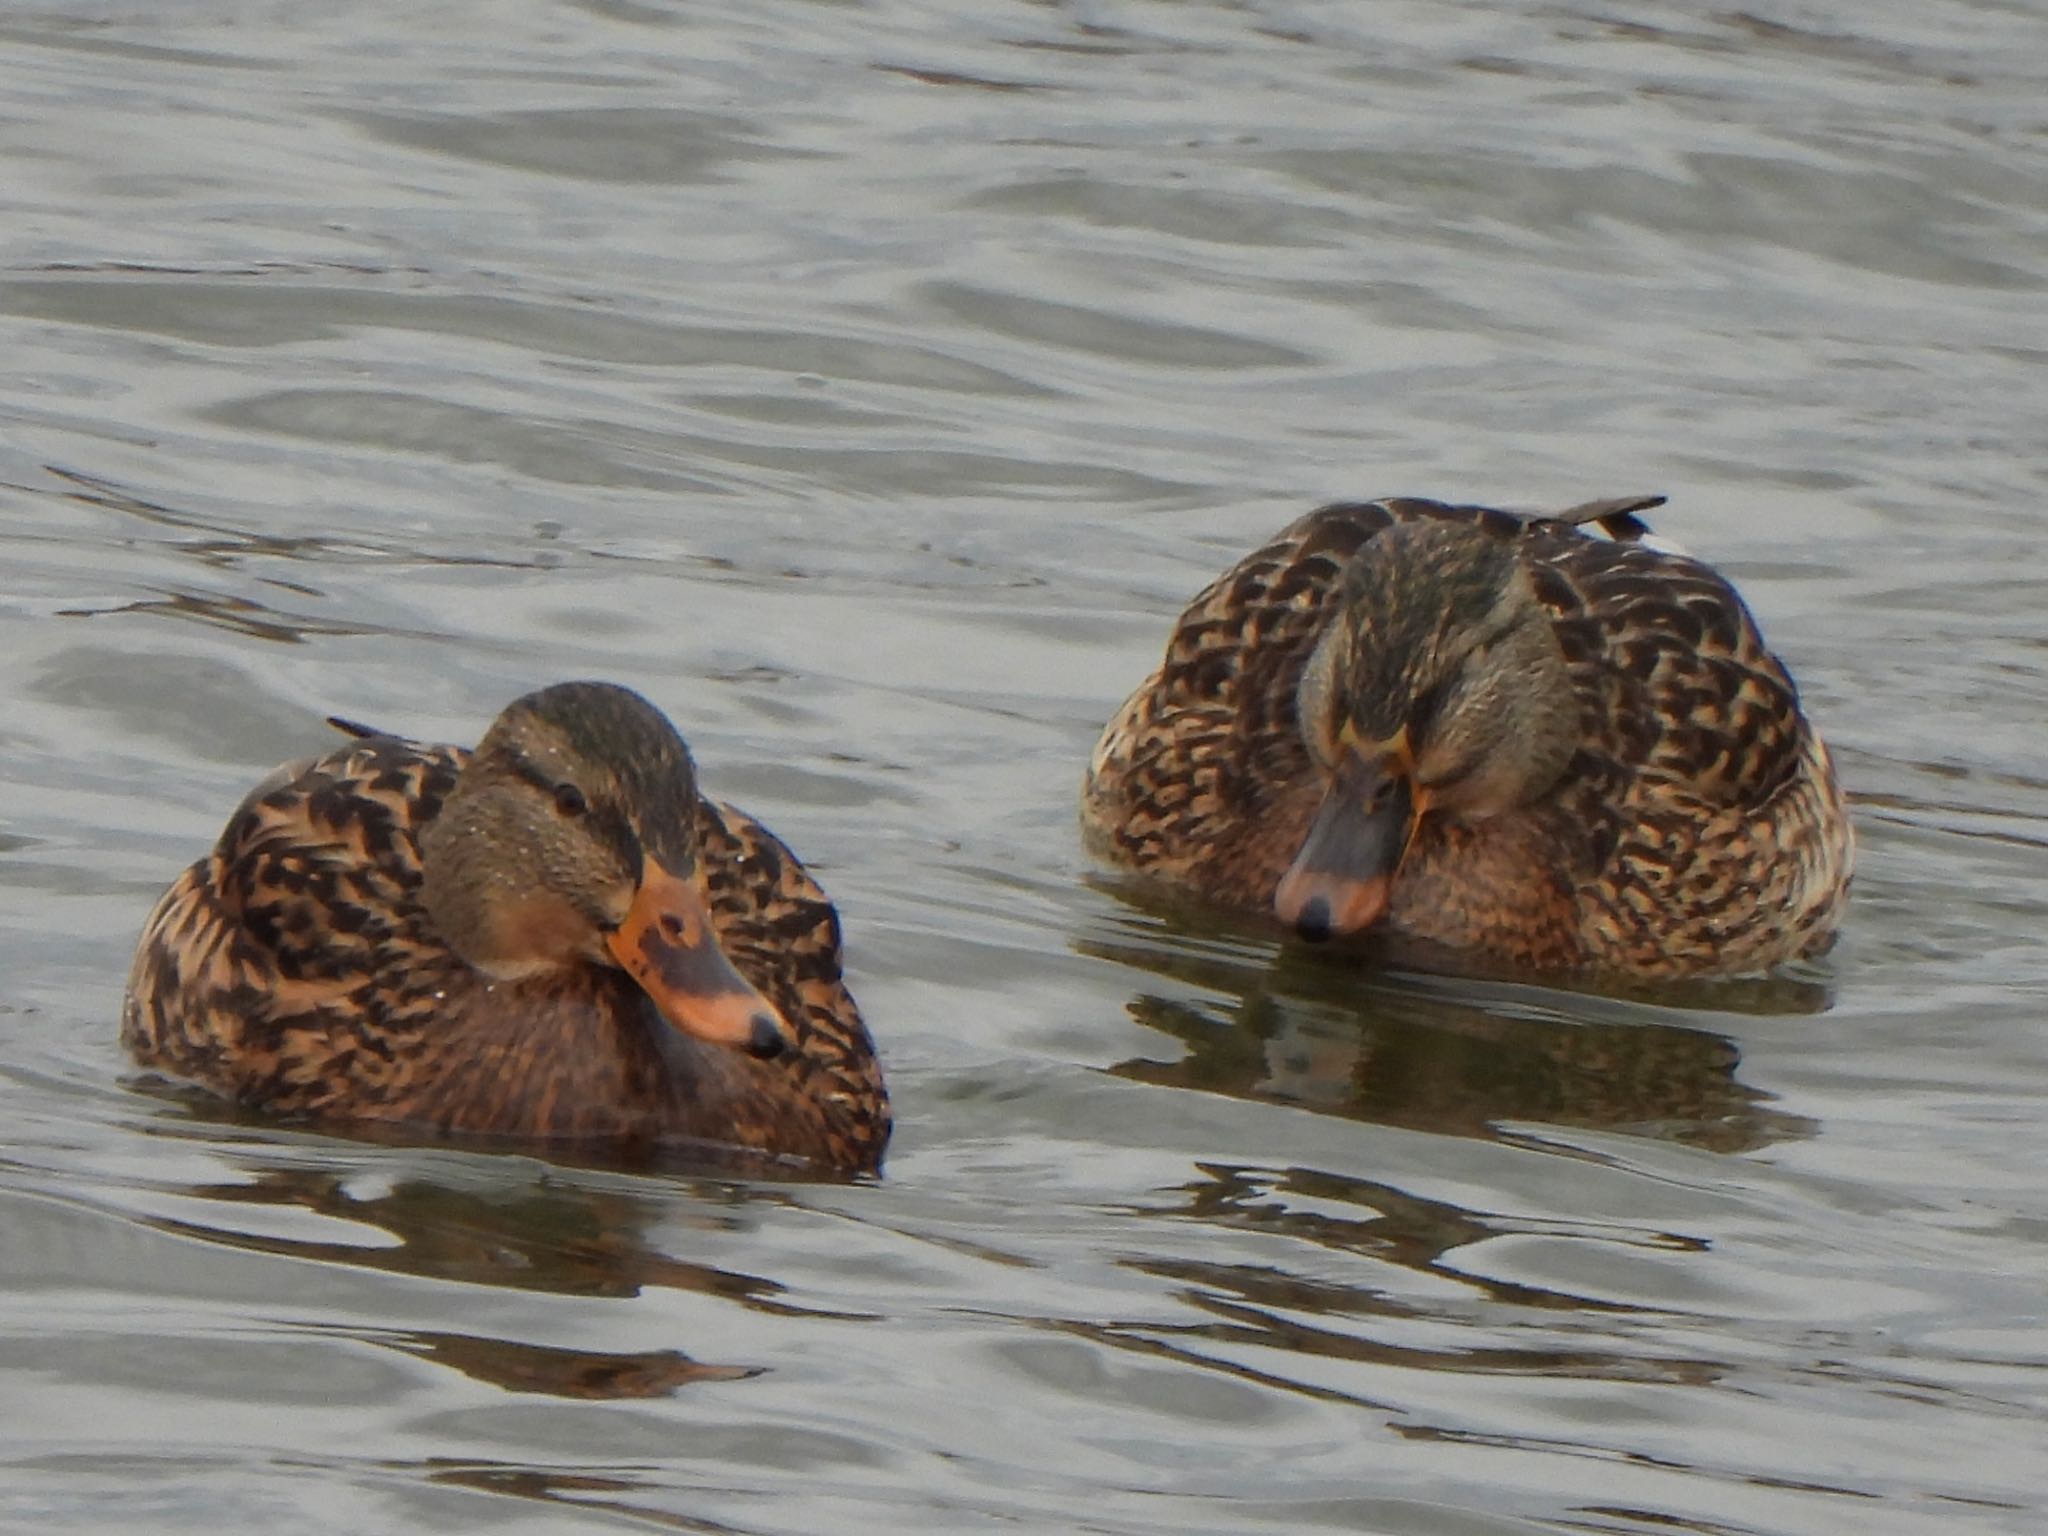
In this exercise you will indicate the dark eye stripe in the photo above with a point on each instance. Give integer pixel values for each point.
(1422, 714)
(569, 799)
(530, 771)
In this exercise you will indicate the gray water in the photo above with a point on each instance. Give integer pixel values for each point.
(870, 383)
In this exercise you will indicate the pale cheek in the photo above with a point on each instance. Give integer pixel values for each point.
(1488, 792)
(538, 933)
(1473, 789)
(1312, 713)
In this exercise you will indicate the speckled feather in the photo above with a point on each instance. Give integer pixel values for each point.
(295, 968)
(1698, 829)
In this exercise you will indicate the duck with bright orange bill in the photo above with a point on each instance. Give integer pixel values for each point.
(554, 936)
(1542, 741)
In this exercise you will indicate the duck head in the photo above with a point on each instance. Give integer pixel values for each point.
(1438, 689)
(569, 840)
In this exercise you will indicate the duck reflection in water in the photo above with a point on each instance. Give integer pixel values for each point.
(1257, 1315)
(572, 1241)
(1339, 1033)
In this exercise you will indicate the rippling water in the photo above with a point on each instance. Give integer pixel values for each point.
(870, 383)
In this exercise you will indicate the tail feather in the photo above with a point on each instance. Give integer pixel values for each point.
(1615, 515)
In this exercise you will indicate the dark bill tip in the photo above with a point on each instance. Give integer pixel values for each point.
(1314, 922)
(765, 1038)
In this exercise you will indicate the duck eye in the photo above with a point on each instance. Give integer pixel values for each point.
(569, 800)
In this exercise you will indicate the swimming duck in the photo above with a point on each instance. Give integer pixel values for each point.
(553, 936)
(1537, 740)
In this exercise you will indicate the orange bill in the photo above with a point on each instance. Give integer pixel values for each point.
(1343, 878)
(668, 945)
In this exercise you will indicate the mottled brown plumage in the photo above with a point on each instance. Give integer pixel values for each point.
(319, 963)
(1505, 735)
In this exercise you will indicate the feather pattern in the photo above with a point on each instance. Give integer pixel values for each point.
(1698, 827)
(295, 967)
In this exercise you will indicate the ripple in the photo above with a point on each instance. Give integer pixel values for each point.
(627, 145)
(871, 384)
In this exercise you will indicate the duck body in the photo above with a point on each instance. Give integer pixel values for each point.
(301, 968)
(1624, 780)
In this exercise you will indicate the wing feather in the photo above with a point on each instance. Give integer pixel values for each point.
(1698, 825)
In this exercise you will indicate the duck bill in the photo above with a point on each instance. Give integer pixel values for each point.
(668, 945)
(1343, 878)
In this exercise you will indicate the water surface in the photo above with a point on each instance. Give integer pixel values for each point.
(870, 384)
